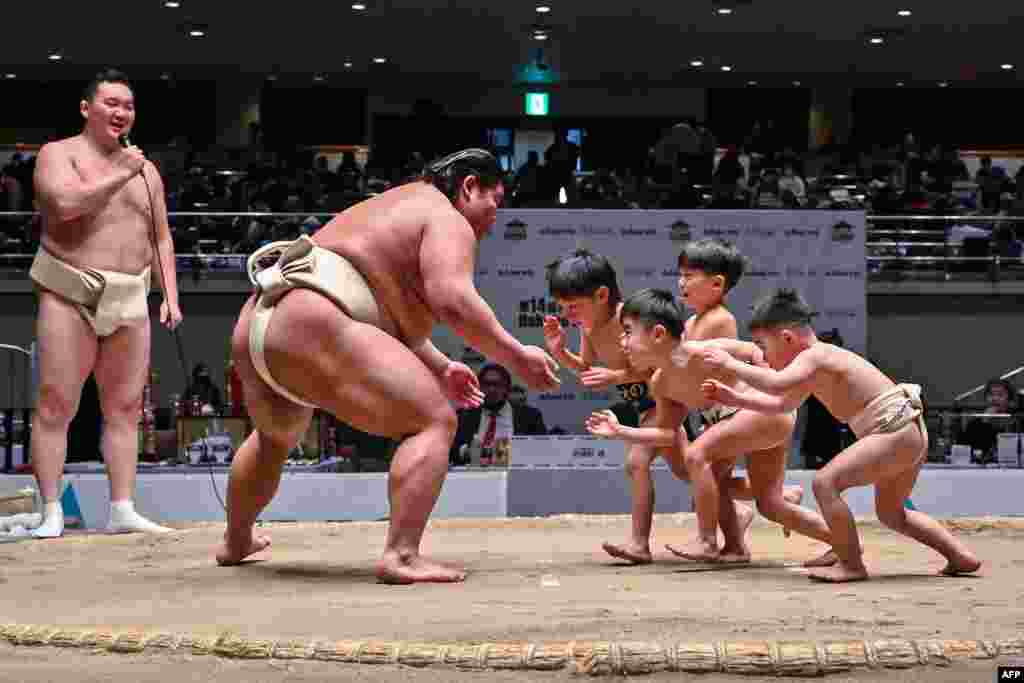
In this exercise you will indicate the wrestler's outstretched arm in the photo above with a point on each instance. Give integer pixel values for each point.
(798, 375)
(447, 256)
(66, 196)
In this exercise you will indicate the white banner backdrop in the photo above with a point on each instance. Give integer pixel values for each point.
(820, 253)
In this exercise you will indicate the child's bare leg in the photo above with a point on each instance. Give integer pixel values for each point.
(872, 459)
(734, 519)
(638, 467)
(767, 470)
(889, 498)
(724, 442)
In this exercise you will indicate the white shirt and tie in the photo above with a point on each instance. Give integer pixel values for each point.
(495, 425)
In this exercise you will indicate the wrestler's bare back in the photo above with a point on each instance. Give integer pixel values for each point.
(381, 238)
(118, 236)
(843, 381)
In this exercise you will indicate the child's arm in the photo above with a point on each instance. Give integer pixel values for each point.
(752, 399)
(663, 434)
(554, 339)
(795, 376)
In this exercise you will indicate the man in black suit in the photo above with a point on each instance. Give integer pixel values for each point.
(497, 417)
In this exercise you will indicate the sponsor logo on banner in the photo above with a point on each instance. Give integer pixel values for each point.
(802, 232)
(639, 272)
(840, 273)
(516, 272)
(567, 396)
(596, 396)
(597, 231)
(557, 232)
(587, 457)
(795, 272)
(719, 233)
(762, 273)
(638, 232)
(532, 311)
(515, 229)
(680, 231)
(842, 232)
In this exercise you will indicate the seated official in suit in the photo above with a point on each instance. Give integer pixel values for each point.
(497, 418)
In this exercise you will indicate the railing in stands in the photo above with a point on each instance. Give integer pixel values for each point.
(898, 248)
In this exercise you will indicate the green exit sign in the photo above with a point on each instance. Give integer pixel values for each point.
(536, 104)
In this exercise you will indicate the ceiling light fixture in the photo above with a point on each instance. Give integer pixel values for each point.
(56, 57)
(271, 77)
(197, 32)
(726, 68)
(318, 78)
(347, 65)
(543, 9)
(943, 84)
(540, 35)
(899, 84)
(751, 82)
(696, 63)
(904, 13)
(379, 60)
(724, 11)
(10, 76)
(358, 6)
(165, 77)
(797, 84)
(1006, 67)
(172, 4)
(876, 40)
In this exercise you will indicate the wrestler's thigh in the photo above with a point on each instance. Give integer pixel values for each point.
(67, 348)
(876, 457)
(122, 365)
(744, 432)
(766, 469)
(271, 414)
(364, 376)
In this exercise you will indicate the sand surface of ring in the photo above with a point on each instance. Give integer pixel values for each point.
(536, 580)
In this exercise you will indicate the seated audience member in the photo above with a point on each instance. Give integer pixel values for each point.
(497, 418)
(982, 433)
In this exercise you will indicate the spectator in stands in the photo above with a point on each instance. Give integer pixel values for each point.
(704, 167)
(203, 388)
(504, 418)
(1001, 398)
(562, 158)
(529, 180)
(791, 182)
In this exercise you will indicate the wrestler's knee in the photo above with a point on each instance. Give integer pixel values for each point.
(824, 486)
(121, 408)
(696, 458)
(771, 507)
(56, 406)
(893, 515)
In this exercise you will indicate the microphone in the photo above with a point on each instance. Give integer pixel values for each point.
(123, 139)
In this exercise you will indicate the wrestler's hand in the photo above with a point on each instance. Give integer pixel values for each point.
(554, 335)
(716, 359)
(130, 158)
(714, 390)
(538, 369)
(603, 423)
(170, 315)
(758, 358)
(461, 385)
(597, 378)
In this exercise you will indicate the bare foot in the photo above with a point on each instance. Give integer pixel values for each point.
(629, 553)
(698, 550)
(826, 559)
(965, 565)
(228, 555)
(396, 569)
(745, 517)
(840, 573)
(792, 494)
(727, 556)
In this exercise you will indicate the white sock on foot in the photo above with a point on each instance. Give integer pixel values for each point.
(124, 519)
(53, 521)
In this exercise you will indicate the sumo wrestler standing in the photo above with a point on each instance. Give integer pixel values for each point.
(92, 274)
